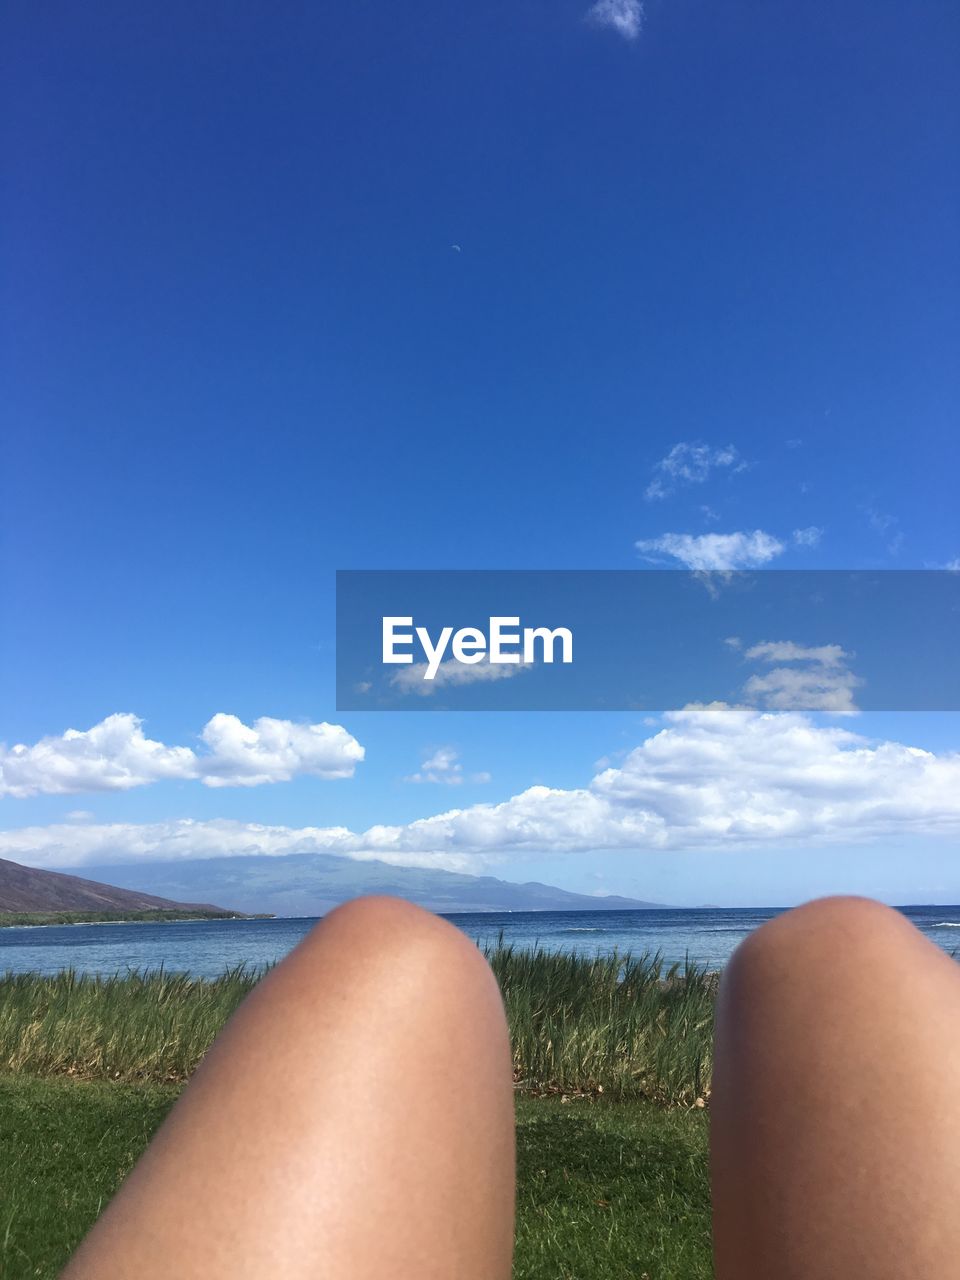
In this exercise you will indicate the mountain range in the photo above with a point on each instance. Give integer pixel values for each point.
(308, 884)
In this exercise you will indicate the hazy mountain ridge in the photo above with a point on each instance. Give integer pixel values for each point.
(308, 884)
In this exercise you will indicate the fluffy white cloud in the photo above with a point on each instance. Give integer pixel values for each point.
(625, 16)
(116, 755)
(274, 751)
(714, 777)
(712, 551)
(443, 765)
(690, 463)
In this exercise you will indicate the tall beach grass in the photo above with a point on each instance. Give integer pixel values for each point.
(625, 1026)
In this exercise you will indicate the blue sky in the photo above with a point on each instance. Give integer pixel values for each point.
(241, 351)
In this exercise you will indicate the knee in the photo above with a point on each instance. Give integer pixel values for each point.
(398, 944)
(825, 941)
(379, 922)
(375, 915)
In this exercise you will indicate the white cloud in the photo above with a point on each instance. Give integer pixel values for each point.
(116, 755)
(712, 551)
(274, 751)
(822, 680)
(410, 679)
(624, 16)
(690, 463)
(712, 778)
(67, 845)
(787, 651)
(815, 688)
(443, 766)
(809, 537)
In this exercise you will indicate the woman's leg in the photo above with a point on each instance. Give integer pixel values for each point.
(835, 1109)
(353, 1121)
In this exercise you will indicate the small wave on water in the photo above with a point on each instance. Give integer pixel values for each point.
(945, 924)
(582, 930)
(738, 929)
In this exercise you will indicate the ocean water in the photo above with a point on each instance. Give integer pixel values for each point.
(206, 948)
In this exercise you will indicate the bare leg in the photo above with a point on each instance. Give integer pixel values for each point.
(835, 1107)
(354, 1121)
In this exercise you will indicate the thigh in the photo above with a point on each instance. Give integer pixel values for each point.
(354, 1120)
(835, 1110)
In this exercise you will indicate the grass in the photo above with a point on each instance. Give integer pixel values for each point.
(138, 1027)
(611, 1191)
(611, 1184)
(64, 1149)
(605, 1191)
(626, 1027)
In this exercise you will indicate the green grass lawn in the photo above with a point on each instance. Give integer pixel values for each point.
(607, 1190)
(611, 1191)
(64, 1148)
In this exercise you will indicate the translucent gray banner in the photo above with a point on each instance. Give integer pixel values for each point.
(530, 640)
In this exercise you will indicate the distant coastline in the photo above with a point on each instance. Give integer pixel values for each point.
(164, 915)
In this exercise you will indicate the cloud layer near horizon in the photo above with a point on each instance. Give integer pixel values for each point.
(721, 777)
(115, 755)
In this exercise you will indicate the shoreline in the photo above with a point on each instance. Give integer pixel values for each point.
(192, 918)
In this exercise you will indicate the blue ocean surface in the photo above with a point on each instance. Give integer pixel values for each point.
(207, 948)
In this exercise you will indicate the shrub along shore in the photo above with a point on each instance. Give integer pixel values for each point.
(624, 1026)
(152, 915)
